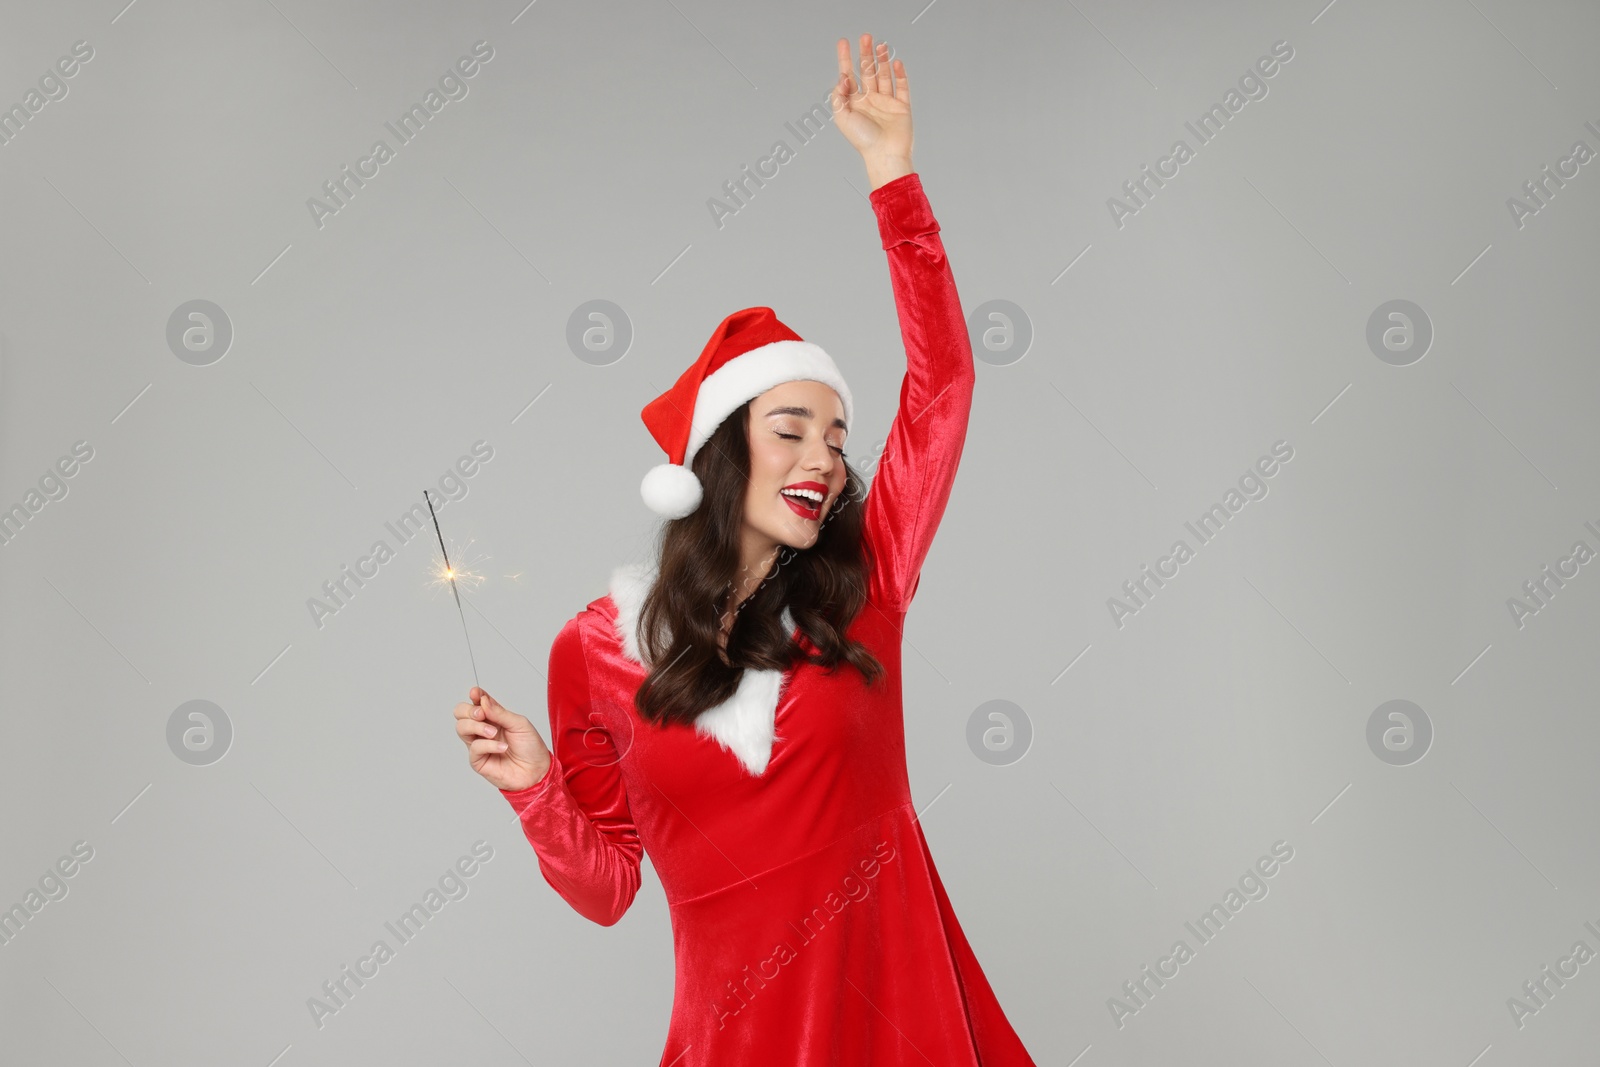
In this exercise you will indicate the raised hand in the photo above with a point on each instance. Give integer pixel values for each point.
(501, 745)
(874, 113)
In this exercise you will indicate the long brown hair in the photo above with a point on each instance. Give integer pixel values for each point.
(824, 587)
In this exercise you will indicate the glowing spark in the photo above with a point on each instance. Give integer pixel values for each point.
(451, 575)
(445, 573)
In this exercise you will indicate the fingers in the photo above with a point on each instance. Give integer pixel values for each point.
(469, 730)
(876, 75)
(469, 725)
(490, 710)
(844, 86)
(485, 747)
(879, 74)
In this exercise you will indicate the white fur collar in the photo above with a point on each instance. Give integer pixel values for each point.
(744, 723)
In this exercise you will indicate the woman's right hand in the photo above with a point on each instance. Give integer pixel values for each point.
(501, 745)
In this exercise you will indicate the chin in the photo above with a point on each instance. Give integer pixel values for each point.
(801, 544)
(788, 533)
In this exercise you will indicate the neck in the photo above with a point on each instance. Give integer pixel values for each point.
(757, 555)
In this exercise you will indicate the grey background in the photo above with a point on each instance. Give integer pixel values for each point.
(368, 355)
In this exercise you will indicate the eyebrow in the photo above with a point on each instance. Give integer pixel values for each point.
(805, 413)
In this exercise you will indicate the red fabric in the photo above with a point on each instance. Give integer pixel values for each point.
(669, 417)
(809, 923)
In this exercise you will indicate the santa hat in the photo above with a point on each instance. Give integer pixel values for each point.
(749, 353)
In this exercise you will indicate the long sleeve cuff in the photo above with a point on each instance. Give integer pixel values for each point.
(521, 799)
(598, 877)
(903, 211)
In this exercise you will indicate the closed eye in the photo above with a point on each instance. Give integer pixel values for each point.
(796, 437)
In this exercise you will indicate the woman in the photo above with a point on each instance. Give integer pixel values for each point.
(809, 923)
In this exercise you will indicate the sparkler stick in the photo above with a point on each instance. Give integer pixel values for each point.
(449, 572)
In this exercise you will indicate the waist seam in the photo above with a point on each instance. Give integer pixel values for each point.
(792, 861)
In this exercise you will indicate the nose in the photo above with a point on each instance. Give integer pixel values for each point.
(820, 458)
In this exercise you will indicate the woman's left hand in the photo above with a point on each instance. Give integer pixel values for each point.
(875, 114)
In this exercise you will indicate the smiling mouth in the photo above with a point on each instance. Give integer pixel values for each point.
(804, 506)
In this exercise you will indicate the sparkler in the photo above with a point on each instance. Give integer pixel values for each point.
(450, 574)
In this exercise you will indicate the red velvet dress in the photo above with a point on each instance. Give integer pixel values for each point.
(809, 923)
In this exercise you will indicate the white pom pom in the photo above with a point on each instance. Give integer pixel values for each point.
(671, 490)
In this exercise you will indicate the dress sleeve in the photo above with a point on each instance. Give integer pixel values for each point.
(918, 466)
(577, 816)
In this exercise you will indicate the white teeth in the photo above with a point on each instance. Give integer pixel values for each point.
(809, 495)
